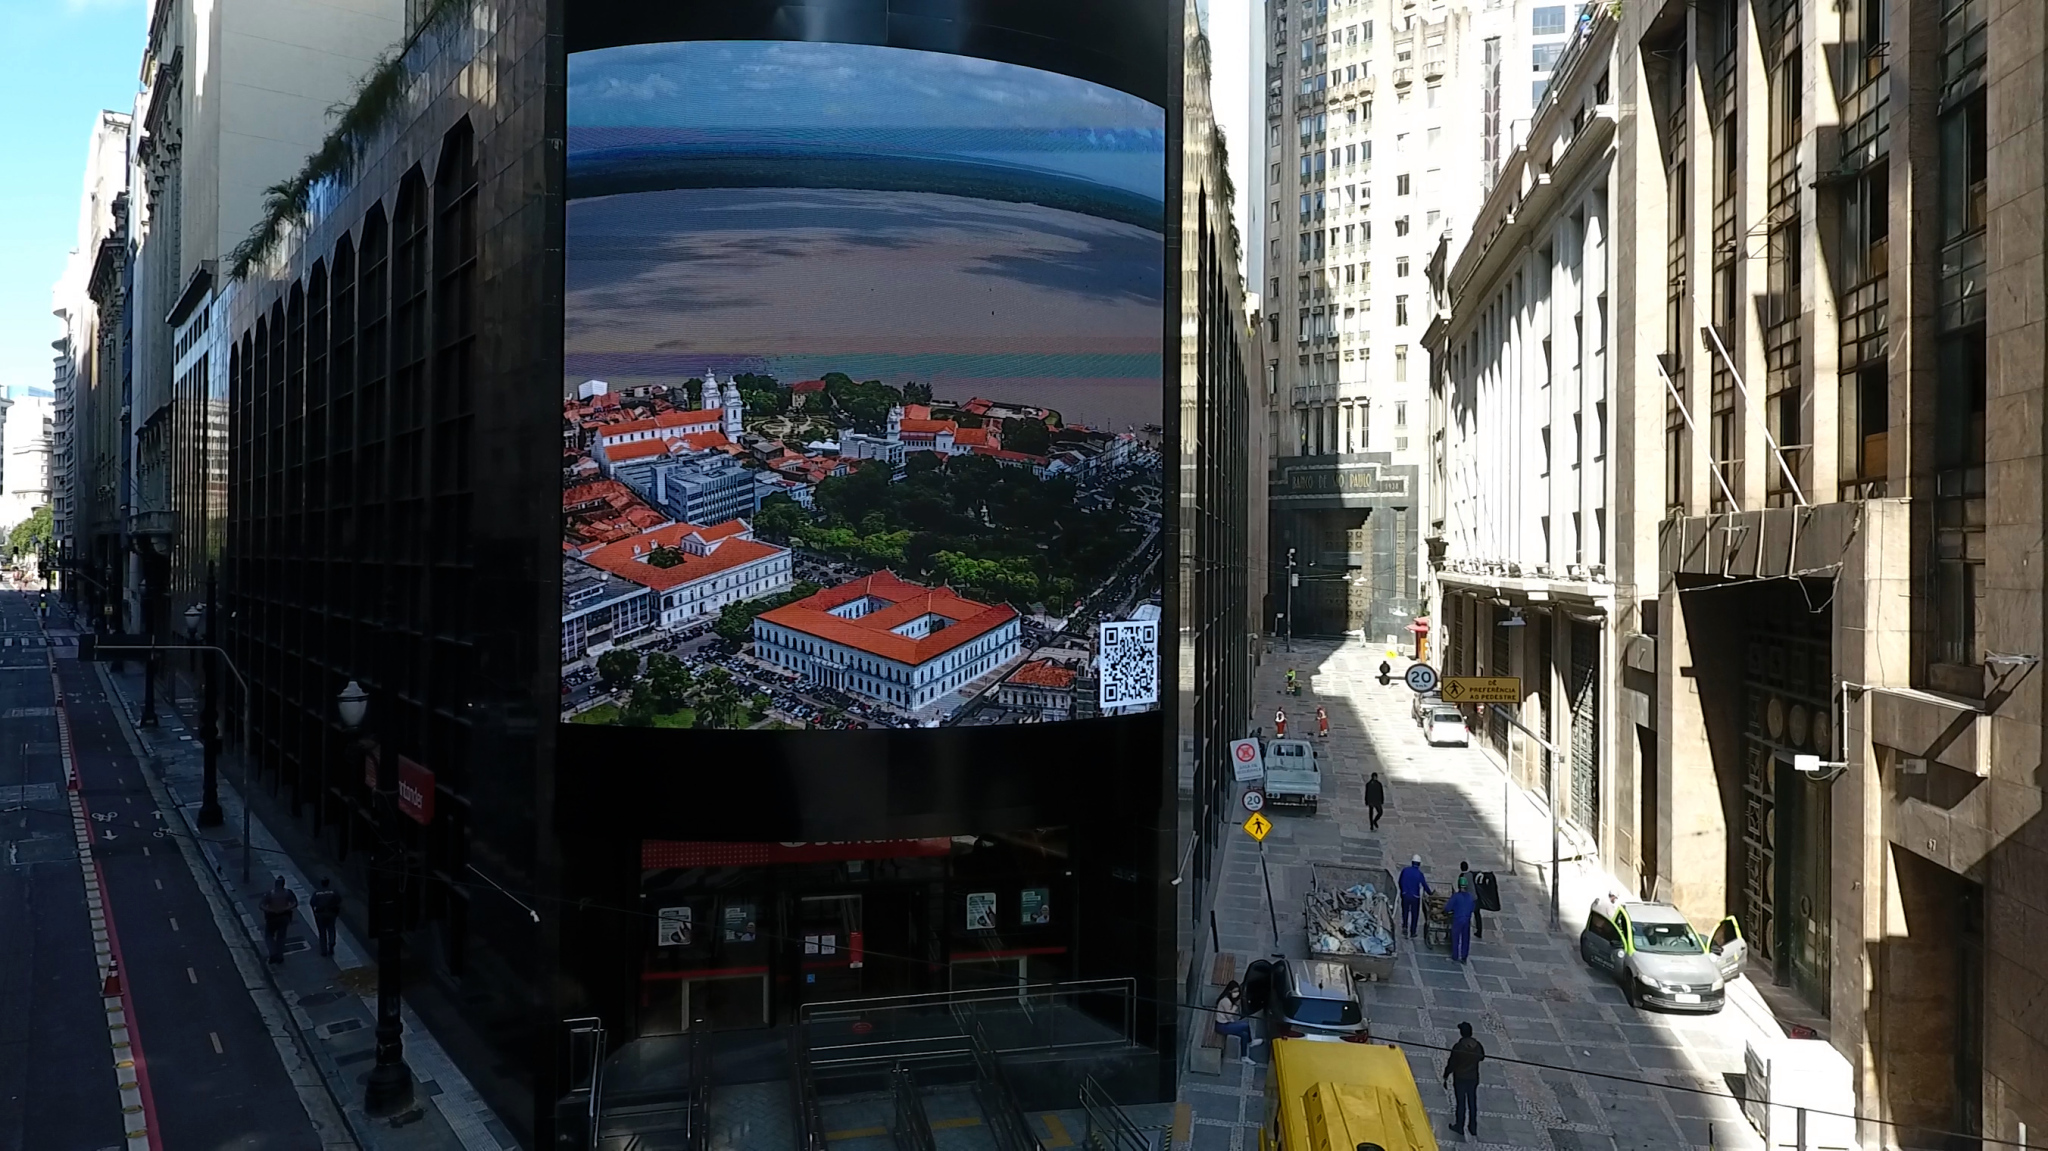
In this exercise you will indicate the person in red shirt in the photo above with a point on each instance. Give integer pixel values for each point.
(1322, 722)
(1280, 722)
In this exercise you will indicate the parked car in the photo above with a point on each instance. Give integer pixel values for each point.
(1423, 704)
(1315, 999)
(1446, 728)
(1656, 956)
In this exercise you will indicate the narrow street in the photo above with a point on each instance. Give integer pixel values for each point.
(58, 1086)
(197, 1064)
(1593, 1072)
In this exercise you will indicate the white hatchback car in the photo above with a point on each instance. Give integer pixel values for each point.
(1445, 727)
(1656, 956)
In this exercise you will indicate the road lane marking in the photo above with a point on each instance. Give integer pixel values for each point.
(159, 884)
(131, 1070)
(1058, 1131)
(191, 975)
(174, 923)
(856, 1133)
(215, 1036)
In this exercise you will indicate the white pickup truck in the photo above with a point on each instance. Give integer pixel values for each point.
(1291, 773)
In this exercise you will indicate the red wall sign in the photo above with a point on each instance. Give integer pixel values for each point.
(415, 791)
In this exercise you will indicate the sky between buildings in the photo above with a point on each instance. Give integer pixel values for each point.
(61, 63)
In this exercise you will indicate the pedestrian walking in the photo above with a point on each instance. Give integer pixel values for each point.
(1413, 886)
(1280, 723)
(1375, 799)
(1230, 1020)
(1461, 1071)
(1468, 880)
(1322, 722)
(1461, 906)
(326, 909)
(277, 905)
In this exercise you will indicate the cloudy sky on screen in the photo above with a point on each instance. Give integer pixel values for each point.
(868, 98)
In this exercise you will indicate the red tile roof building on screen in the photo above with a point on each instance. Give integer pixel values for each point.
(889, 639)
(600, 512)
(1042, 686)
(711, 567)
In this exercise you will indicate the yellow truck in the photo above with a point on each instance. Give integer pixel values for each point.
(1323, 1096)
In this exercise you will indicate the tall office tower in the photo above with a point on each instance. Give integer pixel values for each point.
(1386, 122)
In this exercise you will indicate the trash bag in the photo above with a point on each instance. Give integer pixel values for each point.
(1257, 984)
(1487, 890)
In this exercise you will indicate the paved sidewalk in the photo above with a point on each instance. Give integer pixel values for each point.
(331, 1000)
(1526, 992)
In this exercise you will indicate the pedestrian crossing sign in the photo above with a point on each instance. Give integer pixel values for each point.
(1257, 826)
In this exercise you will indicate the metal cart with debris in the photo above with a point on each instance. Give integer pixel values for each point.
(1436, 921)
(1351, 918)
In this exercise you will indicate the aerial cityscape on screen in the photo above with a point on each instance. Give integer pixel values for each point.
(861, 396)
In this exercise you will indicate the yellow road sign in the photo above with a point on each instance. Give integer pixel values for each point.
(1257, 826)
(1480, 689)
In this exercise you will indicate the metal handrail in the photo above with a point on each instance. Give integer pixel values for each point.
(913, 1130)
(998, 1102)
(592, 1026)
(810, 1118)
(1109, 1129)
(811, 1012)
(699, 1135)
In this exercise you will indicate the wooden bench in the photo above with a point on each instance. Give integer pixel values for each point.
(1208, 1053)
(1223, 970)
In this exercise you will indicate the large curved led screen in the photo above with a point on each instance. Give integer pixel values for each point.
(861, 409)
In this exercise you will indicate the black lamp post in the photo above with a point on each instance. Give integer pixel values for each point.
(149, 660)
(388, 1087)
(209, 738)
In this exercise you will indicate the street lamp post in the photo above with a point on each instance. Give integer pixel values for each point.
(388, 1088)
(148, 661)
(1292, 579)
(209, 738)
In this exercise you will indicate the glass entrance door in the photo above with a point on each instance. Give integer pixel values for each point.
(832, 948)
(1805, 826)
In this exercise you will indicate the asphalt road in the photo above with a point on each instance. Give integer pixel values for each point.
(210, 1069)
(57, 1083)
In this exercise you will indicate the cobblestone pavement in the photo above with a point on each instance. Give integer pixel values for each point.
(1526, 992)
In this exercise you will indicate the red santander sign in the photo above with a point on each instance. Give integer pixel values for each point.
(415, 791)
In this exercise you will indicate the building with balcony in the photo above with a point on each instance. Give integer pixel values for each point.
(1519, 452)
(24, 458)
(1386, 123)
(1827, 521)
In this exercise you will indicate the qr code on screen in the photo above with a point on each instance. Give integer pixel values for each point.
(1130, 664)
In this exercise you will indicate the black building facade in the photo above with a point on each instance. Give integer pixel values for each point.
(392, 518)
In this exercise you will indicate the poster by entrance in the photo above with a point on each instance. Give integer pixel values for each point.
(861, 404)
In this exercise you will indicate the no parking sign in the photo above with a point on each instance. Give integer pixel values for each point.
(1244, 761)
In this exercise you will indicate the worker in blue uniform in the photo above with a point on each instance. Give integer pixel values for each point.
(1461, 905)
(1413, 886)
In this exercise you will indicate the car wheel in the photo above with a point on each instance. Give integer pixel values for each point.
(1633, 991)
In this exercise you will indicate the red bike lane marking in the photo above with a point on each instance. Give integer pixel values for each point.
(148, 1135)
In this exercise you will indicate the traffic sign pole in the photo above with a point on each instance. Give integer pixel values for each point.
(1556, 761)
(1272, 917)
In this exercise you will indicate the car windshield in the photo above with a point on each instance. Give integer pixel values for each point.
(1323, 1012)
(1665, 938)
(1448, 717)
